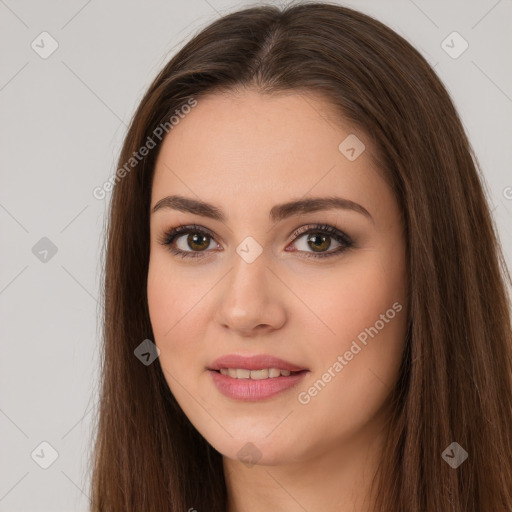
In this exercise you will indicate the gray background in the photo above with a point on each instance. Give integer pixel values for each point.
(63, 119)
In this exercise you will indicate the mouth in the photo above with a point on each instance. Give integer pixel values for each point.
(253, 378)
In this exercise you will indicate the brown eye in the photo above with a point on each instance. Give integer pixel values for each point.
(318, 242)
(315, 241)
(196, 241)
(187, 241)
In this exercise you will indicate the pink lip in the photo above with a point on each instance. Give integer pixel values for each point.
(256, 362)
(251, 390)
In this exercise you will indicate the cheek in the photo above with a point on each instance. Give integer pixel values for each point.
(344, 302)
(174, 308)
(364, 319)
(176, 301)
(173, 293)
(161, 294)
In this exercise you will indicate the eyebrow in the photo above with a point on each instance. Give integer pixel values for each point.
(277, 213)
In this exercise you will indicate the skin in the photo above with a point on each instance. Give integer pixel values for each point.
(246, 152)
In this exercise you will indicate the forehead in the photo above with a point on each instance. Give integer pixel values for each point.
(246, 145)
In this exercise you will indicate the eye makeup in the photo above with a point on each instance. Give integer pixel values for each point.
(200, 236)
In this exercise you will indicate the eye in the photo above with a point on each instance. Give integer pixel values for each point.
(197, 241)
(319, 239)
(194, 241)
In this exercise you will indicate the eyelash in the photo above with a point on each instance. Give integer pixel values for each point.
(170, 236)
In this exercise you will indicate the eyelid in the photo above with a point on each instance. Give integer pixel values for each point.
(320, 228)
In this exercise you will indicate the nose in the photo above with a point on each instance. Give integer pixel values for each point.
(251, 299)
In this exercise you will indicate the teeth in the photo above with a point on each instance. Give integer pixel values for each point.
(239, 373)
(274, 372)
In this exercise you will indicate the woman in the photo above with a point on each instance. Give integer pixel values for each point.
(305, 298)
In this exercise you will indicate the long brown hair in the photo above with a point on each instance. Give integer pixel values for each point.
(455, 382)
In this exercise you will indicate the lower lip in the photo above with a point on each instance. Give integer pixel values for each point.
(252, 390)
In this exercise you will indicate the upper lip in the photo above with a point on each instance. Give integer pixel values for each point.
(255, 362)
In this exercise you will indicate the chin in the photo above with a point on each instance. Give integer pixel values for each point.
(255, 450)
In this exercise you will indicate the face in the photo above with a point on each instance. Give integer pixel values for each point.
(319, 286)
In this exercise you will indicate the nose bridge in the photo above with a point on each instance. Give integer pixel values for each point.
(248, 282)
(249, 298)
